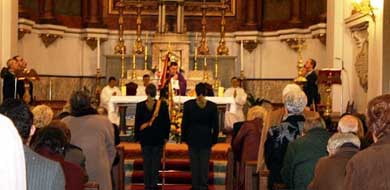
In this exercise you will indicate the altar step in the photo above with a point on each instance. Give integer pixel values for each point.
(173, 187)
(177, 172)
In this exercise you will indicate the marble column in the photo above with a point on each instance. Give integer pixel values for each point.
(386, 47)
(295, 12)
(8, 31)
(180, 17)
(335, 43)
(161, 17)
(46, 11)
(84, 12)
(251, 14)
(94, 13)
(22, 10)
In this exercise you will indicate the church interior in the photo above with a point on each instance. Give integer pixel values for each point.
(257, 46)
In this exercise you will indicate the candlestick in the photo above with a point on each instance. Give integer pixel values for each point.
(50, 89)
(98, 54)
(146, 57)
(205, 77)
(242, 55)
(196, 59)
(133, 72)
(159, 61)
(216, 66)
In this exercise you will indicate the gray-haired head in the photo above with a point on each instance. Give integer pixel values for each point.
(339, 139)
(290, 87)
(295, 102)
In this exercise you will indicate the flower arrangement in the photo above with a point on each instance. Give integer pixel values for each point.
(176, 119)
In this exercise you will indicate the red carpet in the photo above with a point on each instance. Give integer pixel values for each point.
(177, 173)
(174, 187)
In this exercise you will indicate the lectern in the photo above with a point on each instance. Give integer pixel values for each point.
(329, 77)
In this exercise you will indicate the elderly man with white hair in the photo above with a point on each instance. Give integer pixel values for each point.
(280, 135)
(330, 170)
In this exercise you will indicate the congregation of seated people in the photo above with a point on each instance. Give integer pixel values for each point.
(296, 149)
(59, 152)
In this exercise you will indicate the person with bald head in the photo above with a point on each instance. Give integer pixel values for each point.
(350, 124)
(330, 170)
(370, 168)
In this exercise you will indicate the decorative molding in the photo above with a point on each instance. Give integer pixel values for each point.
(294, 43)
(250, 45)
(92, 42)
(22, 32)
(191, 8)
(49, 39)
(359, 23)
(321, 38)
(360, 35)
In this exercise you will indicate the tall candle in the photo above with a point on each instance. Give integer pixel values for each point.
(216, 66)
(242, 55)
(98, 54)
(159, 62)
(133, 61)
(205, 63)
(146, 57)
(50, 89)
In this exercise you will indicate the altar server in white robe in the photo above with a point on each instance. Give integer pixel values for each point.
(235, 114)
(108, 91)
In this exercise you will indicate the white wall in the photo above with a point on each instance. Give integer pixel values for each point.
(8, 29)
(342, 50)
(71, 56)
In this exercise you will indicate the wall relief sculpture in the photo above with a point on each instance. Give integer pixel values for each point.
(360, 35)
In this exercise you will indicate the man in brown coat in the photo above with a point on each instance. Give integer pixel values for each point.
(370, 168)
(330, 170)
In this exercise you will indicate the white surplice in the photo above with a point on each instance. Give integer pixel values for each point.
(106, 94)
(235, 114)
(141, 91)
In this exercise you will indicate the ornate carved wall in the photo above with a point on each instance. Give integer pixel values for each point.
(241, 14)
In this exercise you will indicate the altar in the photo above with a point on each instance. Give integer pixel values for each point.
(122, 108)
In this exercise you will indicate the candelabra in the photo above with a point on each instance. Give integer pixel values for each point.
(203, 48)
(222, 49)
(120, 48)
(300, 66)
(139, 47)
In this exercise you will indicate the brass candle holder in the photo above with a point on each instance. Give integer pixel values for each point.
(203, 48)
(205, 74)
(222, 49)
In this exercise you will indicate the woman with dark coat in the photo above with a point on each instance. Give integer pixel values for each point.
(152, 125)
(370, 168)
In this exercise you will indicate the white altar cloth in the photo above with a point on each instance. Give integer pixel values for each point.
(118, 100)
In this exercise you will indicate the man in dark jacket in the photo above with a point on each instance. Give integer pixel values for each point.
(9, 83)
(302, 154)
(152, 126)
(200, 131)
(311, 88)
